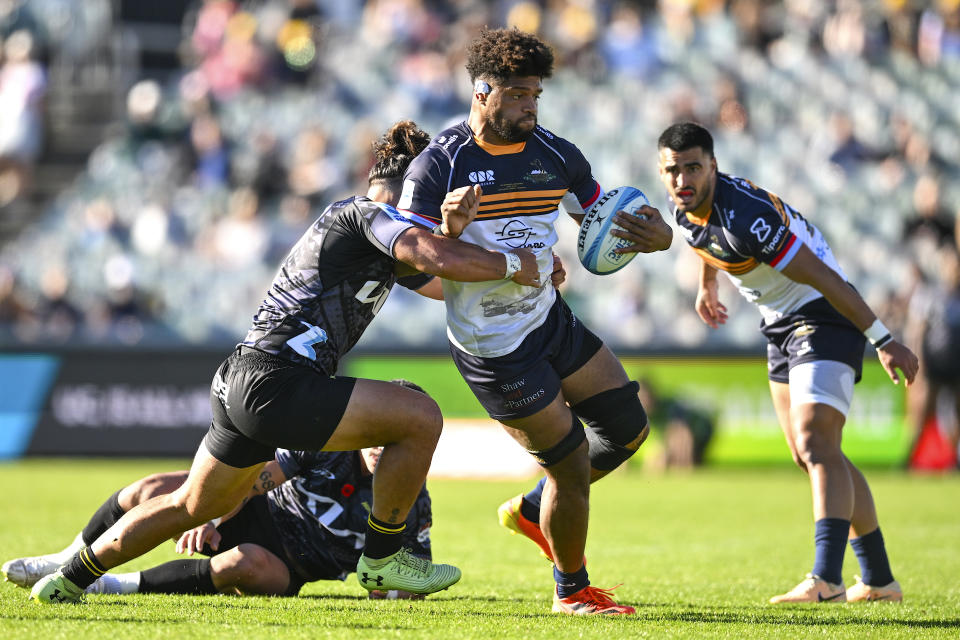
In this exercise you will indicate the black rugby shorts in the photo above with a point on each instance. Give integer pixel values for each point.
(262, 402)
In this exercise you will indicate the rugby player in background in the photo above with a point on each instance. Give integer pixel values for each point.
(530, 362)
(816, 326)
(279, 389)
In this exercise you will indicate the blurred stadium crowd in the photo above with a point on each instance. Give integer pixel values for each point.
(848, 109)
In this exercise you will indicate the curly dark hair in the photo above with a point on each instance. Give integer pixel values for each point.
(396, 149)
(498, 54)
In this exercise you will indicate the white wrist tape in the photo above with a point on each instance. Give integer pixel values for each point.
(216, 522)
(878, 335)
(513, 265)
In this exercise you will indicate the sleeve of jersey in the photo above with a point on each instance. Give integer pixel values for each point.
(767, 237)
(425, 186)
(387, 225)
(289, 461)
(415, 281)
(582, 183)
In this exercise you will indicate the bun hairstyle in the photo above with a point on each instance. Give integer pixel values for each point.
(395, 150)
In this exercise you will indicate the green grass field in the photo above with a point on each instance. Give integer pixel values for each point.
(698, 555)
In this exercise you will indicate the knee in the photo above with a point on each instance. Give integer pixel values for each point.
(811, 447)
(249, 561)
(616, 425)
(152, 486)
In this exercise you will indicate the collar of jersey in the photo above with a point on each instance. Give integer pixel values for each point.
(701, 216)
(499, 149)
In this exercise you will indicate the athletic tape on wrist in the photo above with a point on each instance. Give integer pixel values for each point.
(878, 335)
(513, 265)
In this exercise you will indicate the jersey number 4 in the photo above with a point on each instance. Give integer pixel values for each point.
(366, 294)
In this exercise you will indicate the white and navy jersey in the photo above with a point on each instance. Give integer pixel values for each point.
(522, 187)
(321, 511)
(332, 284)
(751, 234)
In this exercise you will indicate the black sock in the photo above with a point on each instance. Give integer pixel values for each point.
(383, 539)
(178, 576)
(83, 568)
(108, 513)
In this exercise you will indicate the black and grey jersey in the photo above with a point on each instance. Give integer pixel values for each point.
(332, 284)
(321, 512)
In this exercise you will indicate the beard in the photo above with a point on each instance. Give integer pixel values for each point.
(510, 131)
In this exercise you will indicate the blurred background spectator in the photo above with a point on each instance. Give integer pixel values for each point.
(188, 144)
(683, 429)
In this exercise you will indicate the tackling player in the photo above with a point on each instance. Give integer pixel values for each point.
(279, 388)
(531, 363)
(816, 325)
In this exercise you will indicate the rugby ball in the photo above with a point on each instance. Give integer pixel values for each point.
(595, 244)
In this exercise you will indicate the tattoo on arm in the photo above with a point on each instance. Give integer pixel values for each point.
(266, 482)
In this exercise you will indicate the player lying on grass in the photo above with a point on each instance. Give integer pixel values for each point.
(279, 388)
(304, 521)
(816, 326)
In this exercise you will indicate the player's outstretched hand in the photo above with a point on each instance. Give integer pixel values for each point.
(895, 356)
(708, 305)
(458, 209)
(529, 274)
(559, 273)
(192, 541)
(647, 234)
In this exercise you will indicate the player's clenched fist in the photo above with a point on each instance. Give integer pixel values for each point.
(459, 208)
(529, 273)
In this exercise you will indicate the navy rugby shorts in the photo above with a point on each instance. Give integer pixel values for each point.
(814, 332)
(262, 402)
(523, 382)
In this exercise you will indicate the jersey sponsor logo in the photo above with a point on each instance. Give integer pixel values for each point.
(482, 177)
(538, 175)
(805, 348)
(516, 235)
(761, 229)
(406, 196)
(446, 142)
(770, 246)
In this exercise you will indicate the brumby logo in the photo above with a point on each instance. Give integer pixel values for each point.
(478, 177)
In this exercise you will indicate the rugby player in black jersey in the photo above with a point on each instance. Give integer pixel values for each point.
(531, 363)
(279, 388)
(816, 325)
(305, 520)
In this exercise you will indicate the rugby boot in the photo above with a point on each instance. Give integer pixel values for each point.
(24, 572)
(862, 592)
(511, 518)
(404, 571)
(590, 601)
(55, 589)
(813, 589)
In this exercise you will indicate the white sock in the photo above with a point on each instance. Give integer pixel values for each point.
(68, 551)
(116, 583)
